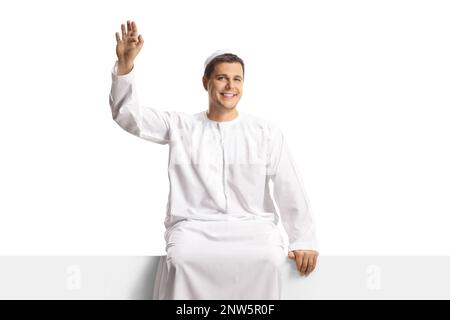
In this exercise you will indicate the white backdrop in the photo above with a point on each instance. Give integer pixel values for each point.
(360, 88)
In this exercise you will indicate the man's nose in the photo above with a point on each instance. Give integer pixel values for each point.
(229, 84)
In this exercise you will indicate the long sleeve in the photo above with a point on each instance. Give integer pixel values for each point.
(142, 121)
(290, 196)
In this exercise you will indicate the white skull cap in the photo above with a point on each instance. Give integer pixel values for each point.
(215, 54)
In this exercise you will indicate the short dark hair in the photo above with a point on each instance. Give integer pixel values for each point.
(226, 57)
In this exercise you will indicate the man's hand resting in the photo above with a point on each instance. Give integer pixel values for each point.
(306, 260)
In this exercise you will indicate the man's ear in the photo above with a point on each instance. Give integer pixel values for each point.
(205, 82)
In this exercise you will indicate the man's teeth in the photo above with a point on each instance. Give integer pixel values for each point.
(228, 94)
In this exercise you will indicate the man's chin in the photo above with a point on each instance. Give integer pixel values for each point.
(228, 107)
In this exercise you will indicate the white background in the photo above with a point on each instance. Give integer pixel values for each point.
(360, 88)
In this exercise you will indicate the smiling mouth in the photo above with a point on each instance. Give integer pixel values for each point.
(228, 95)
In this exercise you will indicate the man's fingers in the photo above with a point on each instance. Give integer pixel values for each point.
(291, 255)
(122, 26)
(311, 265)
(305, 262)
(141, 40)
(299, 260)
(117, 37)
(130, 32)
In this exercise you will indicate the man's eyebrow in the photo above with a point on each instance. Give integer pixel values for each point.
(223, 74)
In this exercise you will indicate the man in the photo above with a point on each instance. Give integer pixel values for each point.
(222, 239)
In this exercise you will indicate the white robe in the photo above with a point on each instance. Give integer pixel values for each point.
(222, 240)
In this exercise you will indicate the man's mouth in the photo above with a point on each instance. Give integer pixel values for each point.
(228, 95)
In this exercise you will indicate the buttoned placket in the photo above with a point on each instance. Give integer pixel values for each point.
(224, 176)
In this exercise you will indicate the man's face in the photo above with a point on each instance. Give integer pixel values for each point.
(225, 85)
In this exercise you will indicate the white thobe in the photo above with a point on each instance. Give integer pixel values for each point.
(222, 239)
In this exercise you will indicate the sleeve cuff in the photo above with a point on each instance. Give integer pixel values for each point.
(302, 245)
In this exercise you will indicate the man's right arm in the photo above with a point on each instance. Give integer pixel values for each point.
(142, 121)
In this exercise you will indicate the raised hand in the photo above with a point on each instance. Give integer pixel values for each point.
(128, 46)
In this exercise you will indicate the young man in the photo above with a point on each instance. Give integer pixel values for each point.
(222, 239)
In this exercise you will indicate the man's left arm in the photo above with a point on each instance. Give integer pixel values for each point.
(295, 212)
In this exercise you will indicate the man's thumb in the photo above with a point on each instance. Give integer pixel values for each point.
(291, 255)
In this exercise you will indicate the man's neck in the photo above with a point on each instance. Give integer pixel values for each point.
(226, 115)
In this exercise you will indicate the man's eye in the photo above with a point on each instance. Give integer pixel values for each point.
(237, 79)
